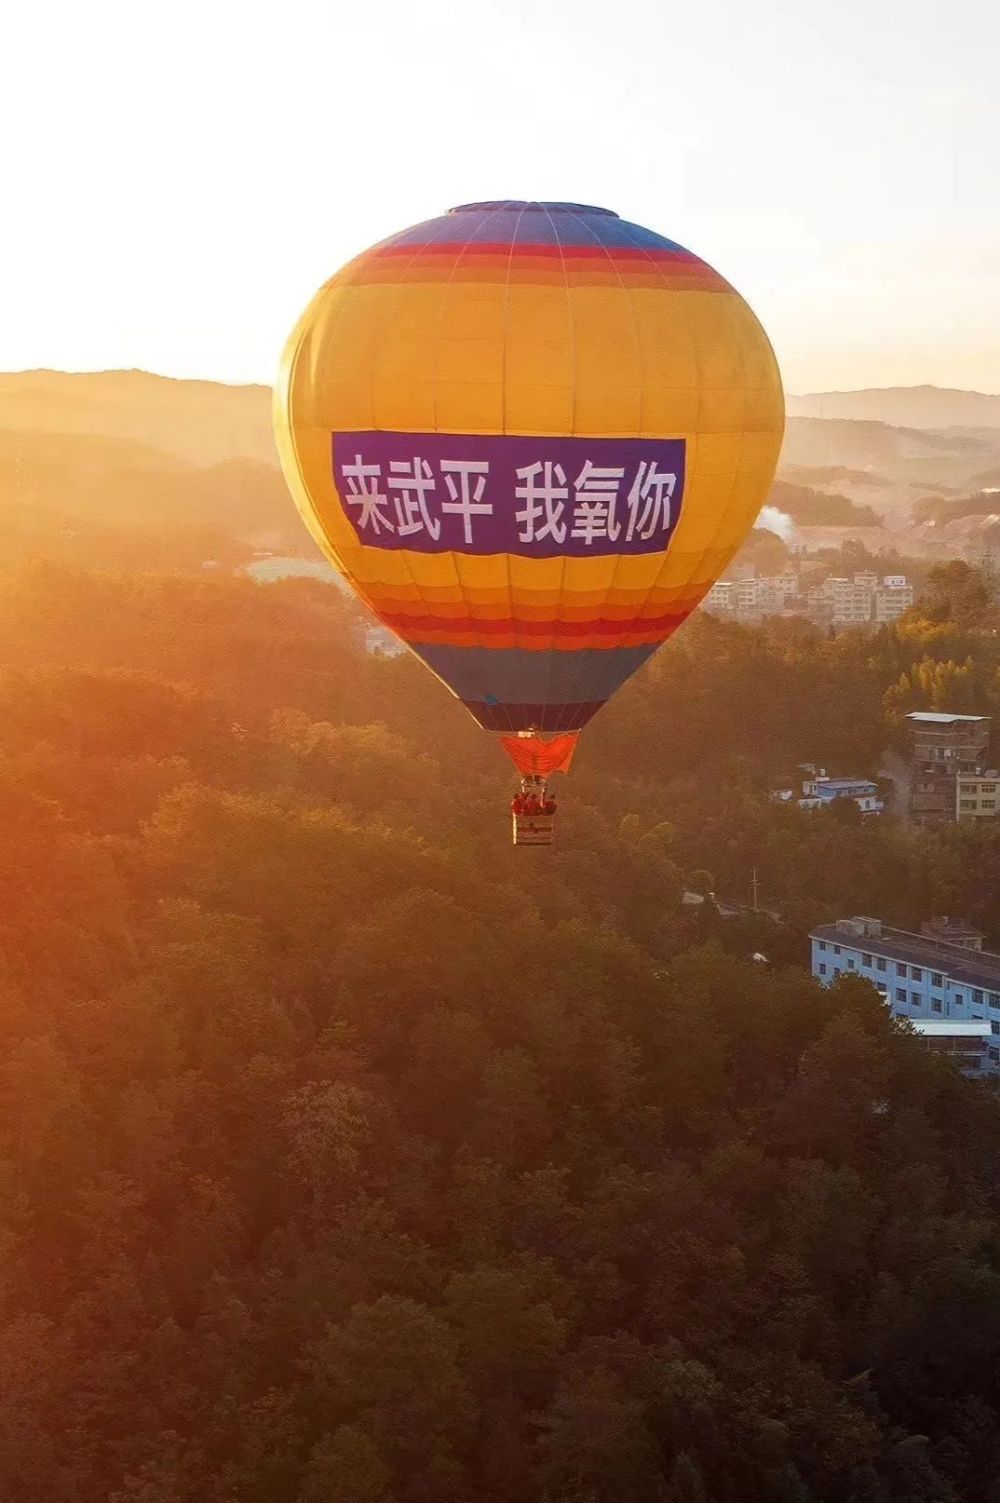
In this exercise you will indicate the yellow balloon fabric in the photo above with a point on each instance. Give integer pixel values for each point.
(531, 436)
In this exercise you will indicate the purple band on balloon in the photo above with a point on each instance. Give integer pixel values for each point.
(535, 497)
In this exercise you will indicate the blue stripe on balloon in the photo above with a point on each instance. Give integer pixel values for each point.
(533, 224)
(500, 676)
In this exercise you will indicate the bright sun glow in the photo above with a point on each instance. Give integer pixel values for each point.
(180, 179)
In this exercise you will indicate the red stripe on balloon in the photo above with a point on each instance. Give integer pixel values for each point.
(526, 248)
(411, 627)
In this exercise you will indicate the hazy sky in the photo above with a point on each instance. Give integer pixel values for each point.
(179, 178)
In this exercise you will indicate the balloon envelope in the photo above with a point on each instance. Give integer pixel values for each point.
(531, 436)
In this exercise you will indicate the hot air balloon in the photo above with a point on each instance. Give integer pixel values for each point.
(531, 436)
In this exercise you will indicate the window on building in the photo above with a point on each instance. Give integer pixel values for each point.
(866, 960)
(937, 979)
(901, 997)
(988, 803)
(836, 949)
(900, 970)
(822, 969)
(822, 944)
(977, 998)
(995, 1027)
(973, 1062)
(936, 1004)
(995, 1056)
(880, 963)
(959, 999)
(995, 999)
(966, 803)
(850, 962)
(916, 973)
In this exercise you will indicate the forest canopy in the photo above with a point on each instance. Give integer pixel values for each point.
(351, 1156)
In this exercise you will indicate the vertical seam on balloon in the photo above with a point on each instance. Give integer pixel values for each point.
(594, 643)
(696, 347)
(516, 645)
(626, 293)
(724, 512)
(399, 287)
(661, 275)
(479, 221)
(557, 612)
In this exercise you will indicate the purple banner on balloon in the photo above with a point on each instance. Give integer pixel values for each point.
(537, 497)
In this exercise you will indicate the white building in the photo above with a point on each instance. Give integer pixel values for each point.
(766, 596)
(862, 599)
(977, 795)
(721, 596)
(819, 792)
(844, 602)
(849, 601)
(921, 977)
(892, 598)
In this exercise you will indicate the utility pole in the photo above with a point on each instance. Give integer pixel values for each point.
(753, 886)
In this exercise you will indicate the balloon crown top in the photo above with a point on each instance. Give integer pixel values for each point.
(531, 206)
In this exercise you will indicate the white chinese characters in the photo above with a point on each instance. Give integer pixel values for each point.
(544, 491)
(467, 504)
(411, 480)
(362, 481)
(649, 502)
(595, 513)
(466, 482)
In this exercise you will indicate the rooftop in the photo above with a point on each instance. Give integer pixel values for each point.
(951, 1028)
(976, 968)
(938, 717)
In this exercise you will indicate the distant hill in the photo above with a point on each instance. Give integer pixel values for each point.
(945, 456)
(93, 465)
(815, 508)
(903, 406)
(200, 422)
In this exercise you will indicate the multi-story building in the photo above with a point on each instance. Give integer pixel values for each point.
(721, 596)
(862, 599)
(850, 599)
(892, 599)
(843, 602)
(921, 976)
(977, 795)
(752, 597)
(774, 594)
(945, 747)
(745, 594)
(959, 742)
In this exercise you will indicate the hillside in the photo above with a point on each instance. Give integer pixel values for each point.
(903, 406)
(199, 422)
(90, 463)
(351, 1157)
